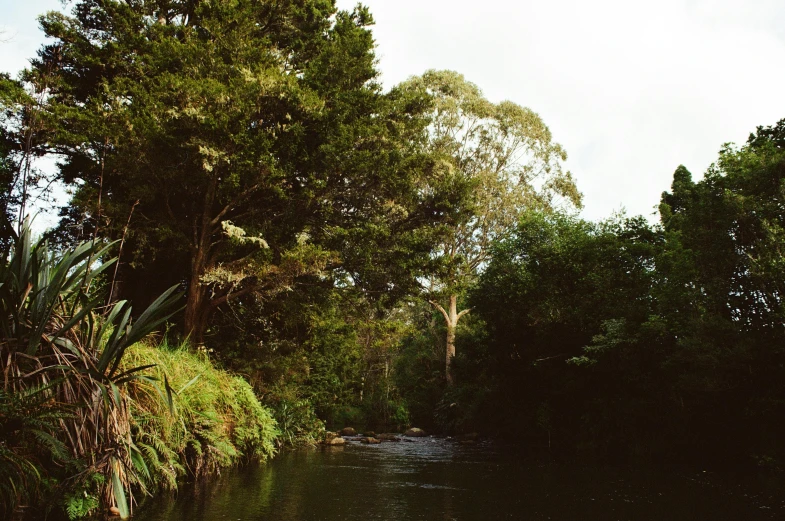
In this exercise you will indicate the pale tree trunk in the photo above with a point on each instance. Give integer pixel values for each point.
(451, 317)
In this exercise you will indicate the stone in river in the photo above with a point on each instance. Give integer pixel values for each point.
(348, 431)
(388, 437)
(414, 432)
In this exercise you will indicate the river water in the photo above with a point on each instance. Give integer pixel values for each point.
(439, 479)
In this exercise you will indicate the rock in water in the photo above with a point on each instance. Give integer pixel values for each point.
(370, 440)
(337, 441)
(414, 432)
(388, 437)
(348, 431)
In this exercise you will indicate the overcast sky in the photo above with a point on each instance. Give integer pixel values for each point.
(631, 89)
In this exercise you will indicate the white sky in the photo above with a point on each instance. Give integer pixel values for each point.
(631, 89)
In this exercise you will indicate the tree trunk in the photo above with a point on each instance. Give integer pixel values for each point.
(452, 324)
(451, 317)
(196, 303)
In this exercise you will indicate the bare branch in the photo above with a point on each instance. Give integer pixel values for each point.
(549, 358)
(440, 308)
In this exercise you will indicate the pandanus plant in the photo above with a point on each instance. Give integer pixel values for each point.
(61, 343)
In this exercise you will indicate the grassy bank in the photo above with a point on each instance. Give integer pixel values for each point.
(186, 417)
(91, 412)
(214, 420)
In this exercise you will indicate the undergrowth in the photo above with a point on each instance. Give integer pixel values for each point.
(213, 419)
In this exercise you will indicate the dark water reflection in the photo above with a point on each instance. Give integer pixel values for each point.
(437, 479)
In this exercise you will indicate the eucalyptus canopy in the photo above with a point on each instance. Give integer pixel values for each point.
(506, 155)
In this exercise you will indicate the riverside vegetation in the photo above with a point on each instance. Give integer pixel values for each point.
(91, 414)
(311, 251)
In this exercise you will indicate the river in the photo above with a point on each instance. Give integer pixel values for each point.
(439, 479)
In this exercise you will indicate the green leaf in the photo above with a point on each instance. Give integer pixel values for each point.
(117, 490)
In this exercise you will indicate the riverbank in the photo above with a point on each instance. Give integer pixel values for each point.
(183, 418)
(215, 420)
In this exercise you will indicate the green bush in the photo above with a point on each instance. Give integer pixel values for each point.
(296, 418)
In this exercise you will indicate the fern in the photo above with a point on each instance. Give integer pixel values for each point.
(80, 506)
(28, 419)
(83, 501)
(215, 420)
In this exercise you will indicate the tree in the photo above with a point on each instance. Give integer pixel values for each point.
(720, 296)
(505, 154)
(9, 92)
(726, 232)
(22, 141)
(548, 289)
(248, 141)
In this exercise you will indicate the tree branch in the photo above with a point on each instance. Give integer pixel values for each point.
(440, 308)
(214, 303)
(234, 202)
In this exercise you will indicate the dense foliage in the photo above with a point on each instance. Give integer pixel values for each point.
(89, 416)
(324, 237)
(214, 419)
(672, 335)
(64, 412)
(250, 138)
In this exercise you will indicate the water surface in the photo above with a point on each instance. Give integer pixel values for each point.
(439, 479)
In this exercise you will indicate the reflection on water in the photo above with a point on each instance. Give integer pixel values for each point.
(438, 479)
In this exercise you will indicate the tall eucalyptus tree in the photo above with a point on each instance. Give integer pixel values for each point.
(505, 152)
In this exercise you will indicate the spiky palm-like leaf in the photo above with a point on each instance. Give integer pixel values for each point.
(55, 336)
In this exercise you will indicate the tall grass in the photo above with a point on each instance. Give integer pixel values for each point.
(213, 419)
